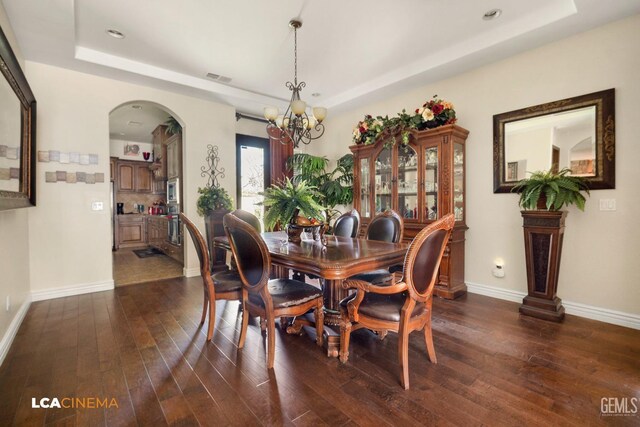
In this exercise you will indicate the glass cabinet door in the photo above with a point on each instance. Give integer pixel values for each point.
(407, 182)
(458, 181)
(365, 208)
(383, 183)
(431, 183)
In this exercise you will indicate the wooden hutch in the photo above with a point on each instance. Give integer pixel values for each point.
(422, 181)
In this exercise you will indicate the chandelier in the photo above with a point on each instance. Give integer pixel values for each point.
(295, 126)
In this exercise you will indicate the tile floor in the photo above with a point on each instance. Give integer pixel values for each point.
(128, 268)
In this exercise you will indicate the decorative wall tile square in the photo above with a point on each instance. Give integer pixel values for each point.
(71, 177)
(61, 175)
(84, 159)
(64, 158)
(54, 156)
(50, 177)
(14, 173)
(91, 178)
(4, 174)
(43, 156)
(81, 176)
(99, 176)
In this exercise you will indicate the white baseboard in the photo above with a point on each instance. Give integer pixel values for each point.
(582, 310)
(72, 290)
(12, 330)
(191, 272)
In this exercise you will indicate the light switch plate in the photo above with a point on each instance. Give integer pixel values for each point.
(607, 204)
(97, 206)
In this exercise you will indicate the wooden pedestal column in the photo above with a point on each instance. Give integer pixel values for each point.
(543, 234)
(214, 228)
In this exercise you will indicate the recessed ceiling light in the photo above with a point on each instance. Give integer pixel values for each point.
(115, 33)
(316, 94)
(492, 14)
(136, 107)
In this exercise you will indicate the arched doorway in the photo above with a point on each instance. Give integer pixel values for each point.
(145, 145)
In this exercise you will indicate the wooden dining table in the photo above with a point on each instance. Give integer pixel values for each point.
(335, 261)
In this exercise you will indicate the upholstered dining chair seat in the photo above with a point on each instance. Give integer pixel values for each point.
(377, 277)
(287, 293)
(383, 307)
(227, 280)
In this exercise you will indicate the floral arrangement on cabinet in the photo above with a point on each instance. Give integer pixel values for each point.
(434, 113)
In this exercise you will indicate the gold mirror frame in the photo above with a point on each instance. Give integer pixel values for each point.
(26, 194)
(605, 162)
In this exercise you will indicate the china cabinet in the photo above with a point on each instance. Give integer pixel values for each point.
(422, 181)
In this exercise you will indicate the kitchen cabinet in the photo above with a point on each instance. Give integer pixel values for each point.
(422, 181)
(112, 168)
(159, 165)
(132, 231)
(157, 230)
(174, 144)
(133, 177)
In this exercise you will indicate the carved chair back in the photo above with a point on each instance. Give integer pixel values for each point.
(250, 252)
(347, 224)
(200, 245)
(387, 226)
(424, 255)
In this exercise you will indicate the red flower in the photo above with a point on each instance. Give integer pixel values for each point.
(417, 110)
(362, 129)
(437, 109)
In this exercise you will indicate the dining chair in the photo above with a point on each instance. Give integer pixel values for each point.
(213, 289)
(404, 306)
(231, 274)
(347, 224)
(267, 299)
(387, 226)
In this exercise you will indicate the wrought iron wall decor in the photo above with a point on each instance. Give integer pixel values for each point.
(211, 170)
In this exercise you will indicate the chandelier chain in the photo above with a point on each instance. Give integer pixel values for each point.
(295, 55)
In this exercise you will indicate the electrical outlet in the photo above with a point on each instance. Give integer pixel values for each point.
(97, 206)
(498, 271)
(607, 204)
(8, 303)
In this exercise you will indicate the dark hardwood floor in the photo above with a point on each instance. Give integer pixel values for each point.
(142, 346)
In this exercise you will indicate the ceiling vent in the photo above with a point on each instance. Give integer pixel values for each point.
(219, 78)
(132, 123)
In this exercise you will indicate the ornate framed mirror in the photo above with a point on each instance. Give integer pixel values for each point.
(17, 133)
(576, 133)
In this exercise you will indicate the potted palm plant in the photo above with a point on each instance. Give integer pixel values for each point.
(335, 186)
(542, 196)
(294, 205)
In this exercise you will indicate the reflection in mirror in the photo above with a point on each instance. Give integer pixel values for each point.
(17, 133)
(558, 140)
(575, 133)
(9, 138)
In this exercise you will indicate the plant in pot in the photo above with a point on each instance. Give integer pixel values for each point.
(213, 204)
(294, 205)
(173, 126)
(335, 187)
(542, 196)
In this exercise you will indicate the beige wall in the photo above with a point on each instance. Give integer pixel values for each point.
(14, 238)
(599, 263)
(70, 243)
